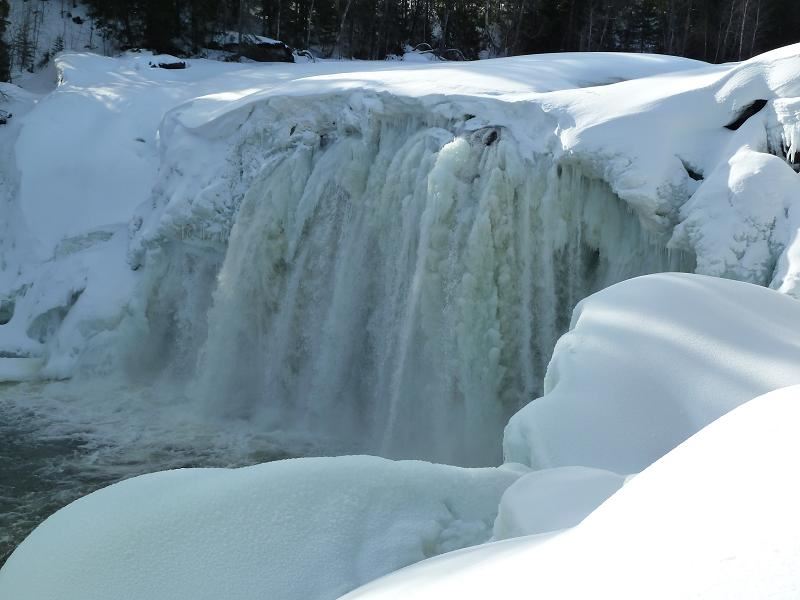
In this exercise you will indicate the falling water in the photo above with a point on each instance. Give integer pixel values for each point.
(405, 289)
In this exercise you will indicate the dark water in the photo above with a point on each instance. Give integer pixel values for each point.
(43, 468)
(37, 476)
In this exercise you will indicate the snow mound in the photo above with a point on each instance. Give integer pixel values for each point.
(553, 499)
(649, 362)
(296, 529)
(715, 519)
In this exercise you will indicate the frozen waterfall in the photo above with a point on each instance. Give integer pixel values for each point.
(401, 285)
(375, 260)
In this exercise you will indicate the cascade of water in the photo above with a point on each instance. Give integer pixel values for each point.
(406, 288)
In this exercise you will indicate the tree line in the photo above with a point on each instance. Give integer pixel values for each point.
(710, 30)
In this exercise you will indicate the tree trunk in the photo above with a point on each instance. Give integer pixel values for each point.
(755, 28)
(308, 25)
(741, 33)
(240, 25)
(341, 28)
(686, 27)
(727, 32)
(515, 45)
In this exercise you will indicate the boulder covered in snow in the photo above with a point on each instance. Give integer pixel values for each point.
(649, 362)
(290, 530)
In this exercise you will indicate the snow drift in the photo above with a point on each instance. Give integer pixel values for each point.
(716, 519)
(293, 530)
(649, 362)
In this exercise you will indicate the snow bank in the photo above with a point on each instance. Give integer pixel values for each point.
(553, 499)
(297, 529)
(650, 361)
(715, 519)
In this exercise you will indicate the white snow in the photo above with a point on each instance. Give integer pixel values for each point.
(553, 499)
(649, 362)
(294, 530)
(715, 519)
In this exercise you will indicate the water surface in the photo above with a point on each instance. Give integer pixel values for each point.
(57, 444)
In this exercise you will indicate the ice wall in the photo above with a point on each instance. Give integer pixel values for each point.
(399, 280)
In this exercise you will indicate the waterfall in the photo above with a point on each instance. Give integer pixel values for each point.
(403, 286)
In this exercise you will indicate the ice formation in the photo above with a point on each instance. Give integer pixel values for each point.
(380, 253)
(407, 283)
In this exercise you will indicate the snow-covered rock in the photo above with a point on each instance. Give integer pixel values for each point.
(649, 362)
(715, 519)
(289, 530)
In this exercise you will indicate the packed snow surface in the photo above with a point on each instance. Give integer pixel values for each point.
(649, 362)
(715, 519)
(291, 530)
(381, 252)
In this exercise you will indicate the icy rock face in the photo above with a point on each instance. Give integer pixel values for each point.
(399, 279)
